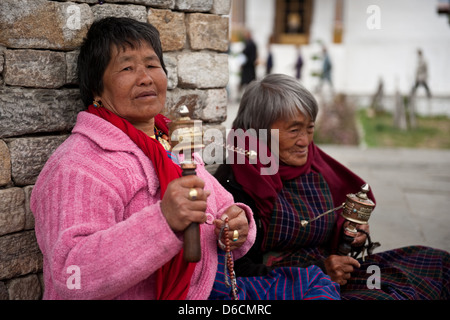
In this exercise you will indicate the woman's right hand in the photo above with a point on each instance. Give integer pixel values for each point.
(339, 268)
(177, 207)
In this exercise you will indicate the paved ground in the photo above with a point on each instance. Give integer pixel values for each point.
(412, 189)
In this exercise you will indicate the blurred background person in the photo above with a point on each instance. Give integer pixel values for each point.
(421, 74)
(325, 75)
(248, 72)
(298, 64)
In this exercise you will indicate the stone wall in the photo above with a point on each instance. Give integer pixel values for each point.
(39, 98)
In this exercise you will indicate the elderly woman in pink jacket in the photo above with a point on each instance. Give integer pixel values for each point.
(111, 205)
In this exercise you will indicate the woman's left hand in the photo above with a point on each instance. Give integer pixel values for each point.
(237, 221)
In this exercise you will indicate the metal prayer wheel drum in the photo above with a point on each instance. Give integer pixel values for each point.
(358, 207)
(186, 135)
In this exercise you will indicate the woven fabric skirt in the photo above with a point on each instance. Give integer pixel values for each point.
(409, 273)
(285, 283)
(413, 272)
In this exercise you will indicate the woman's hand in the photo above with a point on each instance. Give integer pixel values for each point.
(237, 220)
(361, 237)
(339, 268)
(178, 208)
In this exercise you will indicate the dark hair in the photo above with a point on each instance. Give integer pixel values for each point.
(95, 51)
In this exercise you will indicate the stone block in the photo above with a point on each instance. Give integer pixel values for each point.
(28, 156)
(35, 68)
(88, 1)
(194, 5)
(5, 164)
(171, 27)
(41, 280)
(2, 62)
(12, 210)
(29, 217)
(167, 4)
(71, 67)
(221, 7)
(38, 110)
(138, 13)
(24, 288)
(43, 24)
(206, 105)
(202, 70)
(193, 99)
(207, 31)
(215, 107)
(170, 61)
(19, 255)
(3, 291)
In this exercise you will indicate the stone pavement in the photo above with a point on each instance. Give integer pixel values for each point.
(411, 187)
(412, 190)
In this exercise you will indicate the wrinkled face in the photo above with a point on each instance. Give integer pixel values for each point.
(295, 135)
(134, 84)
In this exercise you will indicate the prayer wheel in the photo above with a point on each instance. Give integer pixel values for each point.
(357, 210)
(186, 138)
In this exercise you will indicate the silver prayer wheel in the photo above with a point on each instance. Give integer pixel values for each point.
(186, 134)
(357, 210)
(358, 207)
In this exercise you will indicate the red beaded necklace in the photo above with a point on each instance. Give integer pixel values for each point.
(230, 276)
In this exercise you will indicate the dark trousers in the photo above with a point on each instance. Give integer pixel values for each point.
(421, 83)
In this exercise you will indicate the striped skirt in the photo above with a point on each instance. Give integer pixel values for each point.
(285, 283)
(409, 273)
(413, 272)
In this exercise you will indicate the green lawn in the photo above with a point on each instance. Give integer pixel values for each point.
(379, 131)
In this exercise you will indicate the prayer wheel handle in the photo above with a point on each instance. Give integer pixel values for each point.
(192, 251)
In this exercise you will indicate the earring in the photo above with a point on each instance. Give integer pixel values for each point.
(97, 104)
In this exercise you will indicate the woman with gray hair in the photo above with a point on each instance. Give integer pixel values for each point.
(309, 182)
(279, 96)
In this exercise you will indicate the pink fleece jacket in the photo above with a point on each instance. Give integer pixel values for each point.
(99, 223)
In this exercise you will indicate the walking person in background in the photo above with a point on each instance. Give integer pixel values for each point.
(248, 70)
(269, 61)
(298, 64)
(421, 74)
(325, 76)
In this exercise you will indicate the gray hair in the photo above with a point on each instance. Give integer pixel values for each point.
(275, 97)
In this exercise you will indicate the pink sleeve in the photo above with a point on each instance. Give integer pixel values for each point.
(79, 222)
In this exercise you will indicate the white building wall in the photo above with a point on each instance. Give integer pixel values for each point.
(391, 51)
(365, 55)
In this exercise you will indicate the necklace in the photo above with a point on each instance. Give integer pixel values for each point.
(162, 138)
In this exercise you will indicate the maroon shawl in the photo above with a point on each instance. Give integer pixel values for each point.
(264, 189)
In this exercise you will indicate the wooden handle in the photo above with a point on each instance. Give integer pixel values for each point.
(192, 251)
